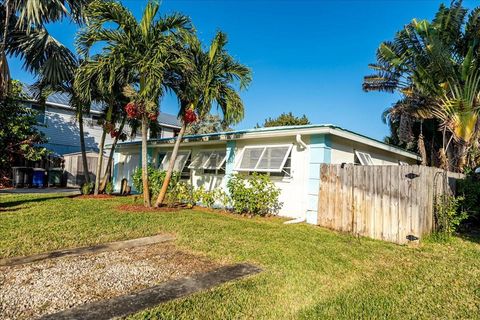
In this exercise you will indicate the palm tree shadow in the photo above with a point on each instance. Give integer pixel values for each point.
(16, 203)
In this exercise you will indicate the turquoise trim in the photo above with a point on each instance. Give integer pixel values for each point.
(320, 152)
(150, 155)
(140, 157)
(116, 160)
(229, 162)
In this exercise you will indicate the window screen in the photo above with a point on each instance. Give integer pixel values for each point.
(210, 160)
(199, 160)
(216, 160)
(364, 158)
(264, 159)
(180, 161)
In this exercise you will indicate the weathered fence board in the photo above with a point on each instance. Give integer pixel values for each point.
(381, 202)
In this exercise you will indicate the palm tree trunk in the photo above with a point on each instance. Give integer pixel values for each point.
(4, 69)
(82, 147)
(108, 170)
(98, 172)
(168, 176)
(146, 191)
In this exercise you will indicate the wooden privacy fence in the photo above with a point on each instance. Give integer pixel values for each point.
(382, 202)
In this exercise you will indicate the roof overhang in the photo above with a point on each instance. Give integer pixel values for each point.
(274, 132)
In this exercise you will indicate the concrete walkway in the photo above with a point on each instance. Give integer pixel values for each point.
(70, 191)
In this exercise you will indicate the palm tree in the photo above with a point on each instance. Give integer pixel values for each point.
(459, 112)
(210, 79)
(23, 33)
(420, 63)
(94, 77)
(145, 48)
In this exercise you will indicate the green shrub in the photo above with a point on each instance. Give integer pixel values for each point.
(469, 189)
(109, 188)
(449, 215)
(182, 193)
(87, 188)
(155, 180)
(209, 198)
(254, 195)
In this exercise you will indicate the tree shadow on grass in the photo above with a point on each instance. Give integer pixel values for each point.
(472, 236)
(9, 204)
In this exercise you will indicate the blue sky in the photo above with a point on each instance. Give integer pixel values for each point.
(308, 57)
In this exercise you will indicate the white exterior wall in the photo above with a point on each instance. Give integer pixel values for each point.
(343, 151)
(293, 188)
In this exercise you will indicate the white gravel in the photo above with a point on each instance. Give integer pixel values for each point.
(31, 290)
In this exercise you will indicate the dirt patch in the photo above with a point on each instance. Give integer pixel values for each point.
(49, 286)
(142, 208)
(92, 196)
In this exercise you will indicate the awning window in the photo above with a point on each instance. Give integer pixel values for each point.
(211, 160)
(364, 158)
(182, 157)
(264, 158)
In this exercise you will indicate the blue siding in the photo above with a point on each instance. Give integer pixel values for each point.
(320, 152)
(229, 162)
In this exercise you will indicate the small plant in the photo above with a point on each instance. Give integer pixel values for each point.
(182, 193)
(209, 198)
(109, 188)
(87, 188)
(254, 195)
(449, 215)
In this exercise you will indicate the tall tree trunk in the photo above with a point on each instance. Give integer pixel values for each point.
(108, 170)
(82, 147)
(98, 172)
(4, 69)
(461, 156)
(146, 191)
(168, 176)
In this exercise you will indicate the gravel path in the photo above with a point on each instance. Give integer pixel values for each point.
(32, 290)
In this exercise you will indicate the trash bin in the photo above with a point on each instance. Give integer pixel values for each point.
(55, 177)
(18, 176)
(38, 178)
(27, 177)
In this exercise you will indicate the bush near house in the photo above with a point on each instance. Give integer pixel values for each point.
(155, 180)
(254, 194)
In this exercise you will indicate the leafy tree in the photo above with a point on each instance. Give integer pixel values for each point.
(209, 79)
(24, 34)
(19, 137)
(210, 123)
(145, 48)
(430, 63)
(285, 119)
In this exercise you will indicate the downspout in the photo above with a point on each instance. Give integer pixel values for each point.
(303, 146)
(300, 142)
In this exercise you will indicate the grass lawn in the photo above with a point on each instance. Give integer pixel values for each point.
(309, 272)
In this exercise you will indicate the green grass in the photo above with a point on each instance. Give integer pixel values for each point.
(309, 272)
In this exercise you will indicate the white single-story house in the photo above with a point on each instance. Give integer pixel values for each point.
(290, 155)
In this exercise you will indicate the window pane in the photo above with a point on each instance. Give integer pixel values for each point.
(273, 158)
(250, 157)
(180, 161)
(215, 160)
(199, 160)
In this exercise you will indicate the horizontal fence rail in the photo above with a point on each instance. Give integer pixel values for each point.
(391, 203)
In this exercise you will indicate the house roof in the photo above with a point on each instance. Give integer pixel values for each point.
(283, 131)
(62, 100)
